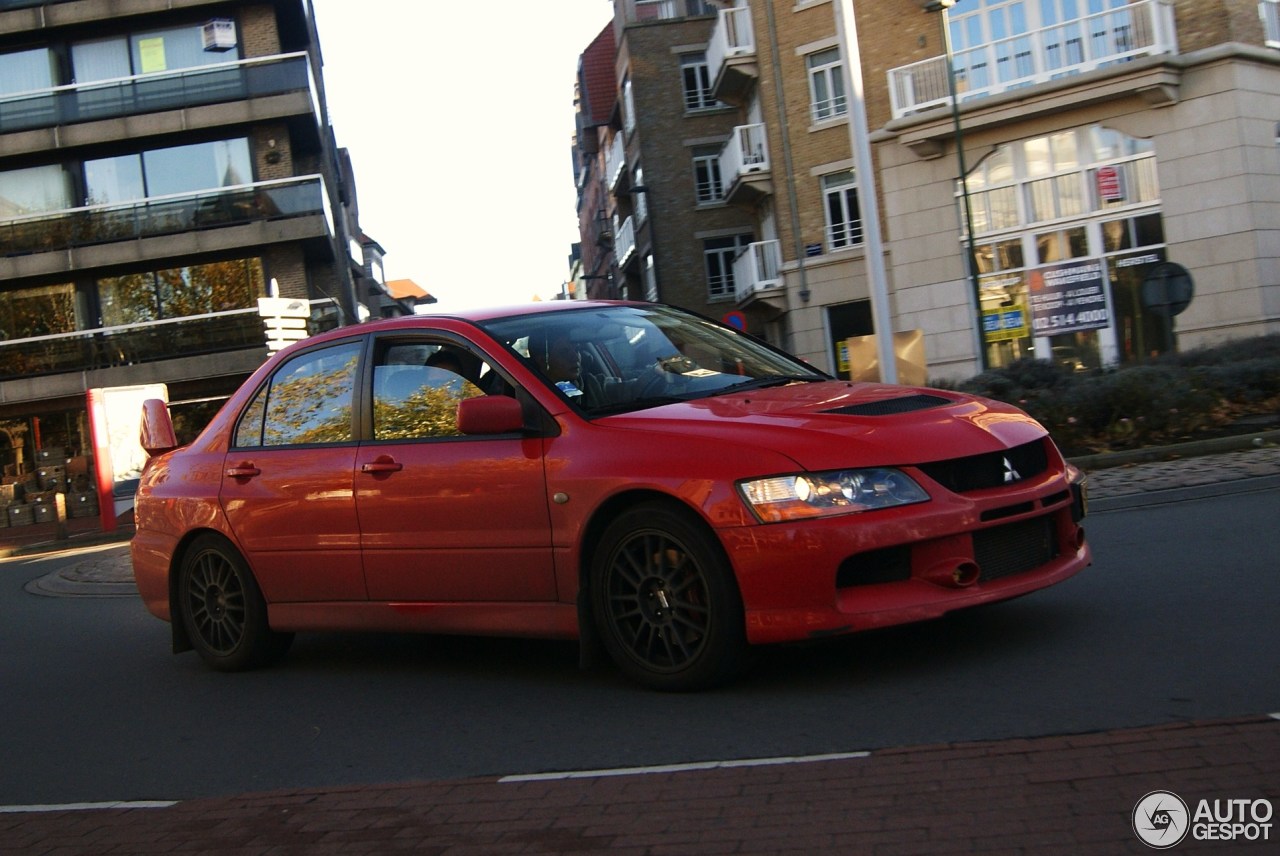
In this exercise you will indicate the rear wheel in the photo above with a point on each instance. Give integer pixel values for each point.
(665, 602)
(223, 609)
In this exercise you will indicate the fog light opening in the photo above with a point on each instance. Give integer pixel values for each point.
(1079, 537)
(965, 574)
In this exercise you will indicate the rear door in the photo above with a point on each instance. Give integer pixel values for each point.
(287, 479)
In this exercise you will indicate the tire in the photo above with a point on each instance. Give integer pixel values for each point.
(223, 610)
(665, 602)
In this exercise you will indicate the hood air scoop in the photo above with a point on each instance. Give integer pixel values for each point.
(891, 406)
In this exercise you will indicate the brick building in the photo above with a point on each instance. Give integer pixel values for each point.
(1120, 159)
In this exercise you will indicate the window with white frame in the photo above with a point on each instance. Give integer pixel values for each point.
(628, 106)
(844, 219)
(708, 187)
(826, 85)
(696, 79)
(720, 254)
(650, 279)
(639, 198)
(1269, 11)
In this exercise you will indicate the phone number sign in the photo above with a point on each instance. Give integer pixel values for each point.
(1068, 298)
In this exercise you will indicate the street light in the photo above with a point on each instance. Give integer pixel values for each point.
(971, 259)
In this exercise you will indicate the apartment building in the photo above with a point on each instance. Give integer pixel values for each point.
(653, 218)
(163, 165)
(1119, 160)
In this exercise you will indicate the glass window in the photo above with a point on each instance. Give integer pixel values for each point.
(178, 292)
(101, 59)
(720, 254)
(844, 220)
(706, 174)
(34, 190)
(28, 71)
(826, 84)
(696, 79)
(308, 400)
(167, 50)
(39, 311)
(417, 388)
(162, 172)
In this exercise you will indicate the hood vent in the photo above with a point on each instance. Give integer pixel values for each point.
(892, 406)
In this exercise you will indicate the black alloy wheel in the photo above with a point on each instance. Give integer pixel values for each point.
(223, 610)
(665, 602)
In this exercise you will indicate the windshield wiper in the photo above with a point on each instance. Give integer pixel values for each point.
(765, 382)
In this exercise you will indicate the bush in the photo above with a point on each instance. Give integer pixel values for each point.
(1177, 397)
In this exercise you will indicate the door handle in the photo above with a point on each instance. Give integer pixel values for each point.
(382, 464)
(243, 471)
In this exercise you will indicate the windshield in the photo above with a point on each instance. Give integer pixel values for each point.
(612, 359)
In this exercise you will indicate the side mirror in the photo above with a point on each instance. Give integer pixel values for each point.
(157, 435)
(490, 414)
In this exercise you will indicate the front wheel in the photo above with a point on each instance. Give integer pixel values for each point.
(665, 601)
(223, 609)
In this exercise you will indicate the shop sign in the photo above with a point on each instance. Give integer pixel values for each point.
(1068, 298)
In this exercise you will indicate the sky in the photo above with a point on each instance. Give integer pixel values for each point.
(459, 120)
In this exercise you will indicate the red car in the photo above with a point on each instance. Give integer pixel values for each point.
(630, 475)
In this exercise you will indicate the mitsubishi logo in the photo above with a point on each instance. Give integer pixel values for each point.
(1010, 474)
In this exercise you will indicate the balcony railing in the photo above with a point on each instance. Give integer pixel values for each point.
(667, 10)
(615, 162)
(624, 243)
(1141, 28)
(146, 342)
(732, 36)
(148, 93)
(746, 152)
(166, 215)
(757, 269)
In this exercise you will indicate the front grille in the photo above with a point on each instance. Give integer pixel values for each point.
(991, 469)
(1015, 548)
(892, 406)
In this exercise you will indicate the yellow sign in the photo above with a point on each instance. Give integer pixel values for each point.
(152, 53)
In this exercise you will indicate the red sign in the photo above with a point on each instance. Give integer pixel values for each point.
(1110, 184)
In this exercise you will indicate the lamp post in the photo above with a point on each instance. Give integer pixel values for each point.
(971, 261)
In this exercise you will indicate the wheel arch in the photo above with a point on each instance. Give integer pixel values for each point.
(181, 637)
(594, 531)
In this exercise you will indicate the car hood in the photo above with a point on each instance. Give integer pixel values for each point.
(839, 424)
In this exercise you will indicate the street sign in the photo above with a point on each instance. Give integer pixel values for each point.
(1168, 289)
(285, 319)
(736, 320)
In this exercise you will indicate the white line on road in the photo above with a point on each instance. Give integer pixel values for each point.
(681, 768)
(87, 806)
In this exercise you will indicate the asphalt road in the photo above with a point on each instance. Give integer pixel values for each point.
(1175, 620)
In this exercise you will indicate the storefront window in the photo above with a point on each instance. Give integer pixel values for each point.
(1068, 292)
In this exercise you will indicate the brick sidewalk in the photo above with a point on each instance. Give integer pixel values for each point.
(1053, 795)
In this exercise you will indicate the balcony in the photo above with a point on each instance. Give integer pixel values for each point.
(666, 10)
(187, 223)
(152, 341)
(615, 163)
(731, 56)
(101, 100)
(745, 169)
(624, 242)
(1141, 29)
(757, 274)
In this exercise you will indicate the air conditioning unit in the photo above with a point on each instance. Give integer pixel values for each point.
(219, 34)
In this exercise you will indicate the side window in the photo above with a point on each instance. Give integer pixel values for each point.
(417, 388)
(308, 400)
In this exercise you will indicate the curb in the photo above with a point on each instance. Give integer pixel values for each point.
(1192, 449)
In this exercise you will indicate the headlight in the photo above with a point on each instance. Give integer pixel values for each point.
(804, 495)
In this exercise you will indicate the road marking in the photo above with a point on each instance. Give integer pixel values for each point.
(86, 806)
(1274, 715)
(682, 768)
